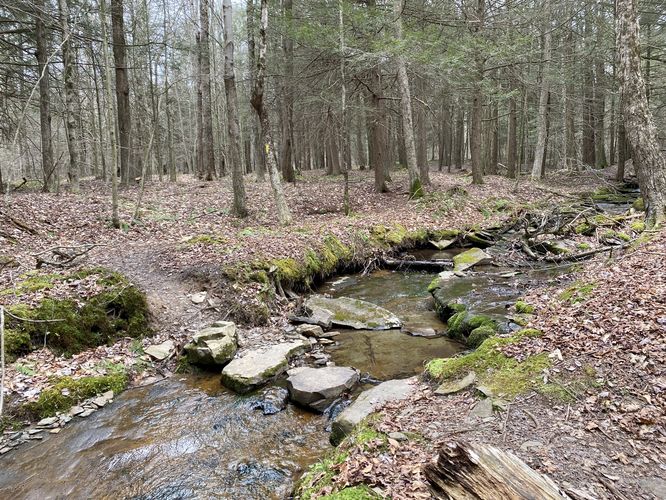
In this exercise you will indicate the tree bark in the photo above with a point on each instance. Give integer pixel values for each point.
(239, 207)
(286, 153)
(538, 167)
(127, 171)
(48, 168)
(259, 158)
(476, 135)
(512, 137)
(284, 215)
(649, 162)
(70, 97)
(415, 187)
(207, 151)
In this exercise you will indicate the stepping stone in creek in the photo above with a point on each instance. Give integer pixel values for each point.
(368, 402)
(258, 366)
(470, 258)
(160, 352)
(354, 313)
(317, 388)
(215, 345)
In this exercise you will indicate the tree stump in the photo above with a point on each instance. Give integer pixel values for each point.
(473, 471)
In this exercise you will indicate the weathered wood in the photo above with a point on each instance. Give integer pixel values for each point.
(417, 264)
(473, 471)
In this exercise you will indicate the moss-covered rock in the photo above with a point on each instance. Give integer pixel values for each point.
(462, 323)
(500, 373)
(16, 344)
(69, 325)
(67, 391)
(523, 307)
(638, 226)
(639, 204)
(578, 292)
(479, 334)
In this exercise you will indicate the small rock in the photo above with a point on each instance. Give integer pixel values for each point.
(330, 335)
(33, 432)
(46, 422)
(470, 258)
(55, 431)
(482, 409)
(273, 401)
(320, 362)
(36, 437)
(86, 413)
(160, 352)
(326, 341)
(4, 450)
(198, 298)
(65, 419)
(76, 410)
(310, 330)
(317, 388)
(398, 436)
(457, 385)
(530, 444)
(485, 391)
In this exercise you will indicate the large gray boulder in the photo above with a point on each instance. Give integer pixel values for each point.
(470, 258)
(353, 313)
(258, 366)
(213, 346)
(367, 403)
(317, 388)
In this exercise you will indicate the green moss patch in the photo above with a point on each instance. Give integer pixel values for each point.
(523, 307)
(576, 293)
(66, 392)
(361, 492)
(498, 372)
(70, 325)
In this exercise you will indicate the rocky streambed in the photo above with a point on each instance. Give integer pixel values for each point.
(364, 338)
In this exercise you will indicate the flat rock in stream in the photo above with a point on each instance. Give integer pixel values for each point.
(317, 388)
(367, 402)
(215, 345)
(258, 366)
(160, 352)
(470, 258)
(353, 313)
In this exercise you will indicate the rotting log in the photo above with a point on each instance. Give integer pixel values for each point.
(465, 471)
(392, 263)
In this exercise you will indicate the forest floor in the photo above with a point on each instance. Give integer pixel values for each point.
(185, 241)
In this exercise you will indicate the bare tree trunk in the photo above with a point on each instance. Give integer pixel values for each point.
(70, 97)
(256, 139)
(569, 123)
(233, 126)
(621, 149)
(649, 162)
(542, 119)
(207, 151)
(127, 172)
(415, 187)
(377, 143)
(284, 215)
(171, 168)
(111, 123)
(421, 138)
(589, 152)
(458, 156)
(477, 99)
(512, 138)
(48, 168)
(286, 155)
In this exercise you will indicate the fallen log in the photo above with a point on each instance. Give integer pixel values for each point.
(466, 471)
(435, 264)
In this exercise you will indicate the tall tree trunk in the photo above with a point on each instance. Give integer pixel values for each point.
(70, 97)
(422, 136)
(171, 167)
(286, 154)
(476, 135)
(494, 140)
(48, 168)
(599, 115)
(538, 167)
(207, 146)
(415, 187)
(621, 149)
(512, 137)
(378, 140)
(284, 215)
(251, 54)
(589, 151)
(233, 126)
(111, 125)
(459, 136)
(127, 171)
(649, 162)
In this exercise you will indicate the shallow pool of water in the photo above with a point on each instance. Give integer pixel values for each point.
(184, 437)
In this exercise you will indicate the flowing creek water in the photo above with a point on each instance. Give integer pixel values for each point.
(188, 437)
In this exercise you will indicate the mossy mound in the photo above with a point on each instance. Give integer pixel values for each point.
(70, 325)
(321, 474)
(16, 344)
(576, 293)
(471, 328)
(66, 392)
(501, 374)
(639, 204)
(523, 307)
